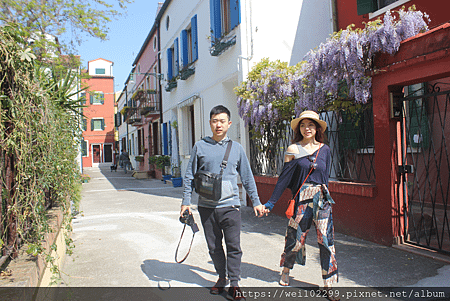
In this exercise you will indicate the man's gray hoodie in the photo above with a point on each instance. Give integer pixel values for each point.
(207, 154)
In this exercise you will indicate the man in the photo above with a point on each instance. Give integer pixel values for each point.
(124, 159)
(222, 218)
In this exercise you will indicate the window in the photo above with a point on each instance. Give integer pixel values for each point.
(225, 16)
(117, 119)
(167, 22)
(155, 43)
(172, 60)
(83, 98)
(370, 6)
(84, 124)
(189, 43)
(100, 71)
(84, 148)
(417, 117)
(97, 124)
(97, 98)
(356, 129)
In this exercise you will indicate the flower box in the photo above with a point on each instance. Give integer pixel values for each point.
(177, 182)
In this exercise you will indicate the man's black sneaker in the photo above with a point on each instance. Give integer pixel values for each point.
(235, 293)
(218, 287)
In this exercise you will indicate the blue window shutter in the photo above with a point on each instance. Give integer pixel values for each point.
(177, 56)
(194, 36)
(102, 98)
(91, 98)
(92, 124)
(184, 49)
(235, 14)
(216, 27)
(169, 64)
(165, 139)
(103, 124)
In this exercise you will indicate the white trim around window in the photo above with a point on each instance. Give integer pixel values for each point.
(391, 6)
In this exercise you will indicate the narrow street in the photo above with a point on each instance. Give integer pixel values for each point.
(128, 229)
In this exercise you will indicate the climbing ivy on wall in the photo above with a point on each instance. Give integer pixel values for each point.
(39, 134)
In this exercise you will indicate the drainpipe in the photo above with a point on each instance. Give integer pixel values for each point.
(126, 103)
(158, 34)
(334, 16)
(251, 33)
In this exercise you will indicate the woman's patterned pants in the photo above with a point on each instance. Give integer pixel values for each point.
(297, 230)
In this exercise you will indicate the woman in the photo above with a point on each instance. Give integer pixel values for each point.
(307, 162)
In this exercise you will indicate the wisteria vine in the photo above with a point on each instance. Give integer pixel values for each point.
(339, 69)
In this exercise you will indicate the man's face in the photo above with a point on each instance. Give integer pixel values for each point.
(219, 125)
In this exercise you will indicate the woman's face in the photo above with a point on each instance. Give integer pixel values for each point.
(308, 128)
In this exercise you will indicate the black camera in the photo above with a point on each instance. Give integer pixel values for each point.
(188, 219)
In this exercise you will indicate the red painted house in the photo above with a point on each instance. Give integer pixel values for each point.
(394, 187)
(98, 127)
(408, 202)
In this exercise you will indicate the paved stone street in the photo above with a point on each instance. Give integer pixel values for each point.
(128, 229)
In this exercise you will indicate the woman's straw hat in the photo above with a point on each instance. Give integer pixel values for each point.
(310, 115)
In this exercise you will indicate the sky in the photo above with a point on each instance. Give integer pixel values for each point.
(126, 36)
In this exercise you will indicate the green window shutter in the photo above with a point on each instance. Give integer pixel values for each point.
(91, 98)
(83, 148)
(103, 124)
(366, 6)
(84, 124)
(102, 98)
(92, 124)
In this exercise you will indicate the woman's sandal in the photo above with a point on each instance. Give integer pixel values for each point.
(284, 281)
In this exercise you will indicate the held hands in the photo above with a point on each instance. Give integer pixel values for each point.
(261, 210)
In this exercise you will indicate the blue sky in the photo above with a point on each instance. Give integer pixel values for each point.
(126, 36)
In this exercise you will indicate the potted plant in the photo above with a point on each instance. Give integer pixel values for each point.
(177, 180)
(159, 162)
(85, 178)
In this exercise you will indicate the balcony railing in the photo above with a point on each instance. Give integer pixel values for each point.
(142, 104)
(220, 46)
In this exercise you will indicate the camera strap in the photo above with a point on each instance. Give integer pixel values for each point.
(176, 252)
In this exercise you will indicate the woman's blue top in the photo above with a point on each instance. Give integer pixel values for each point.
(295, 171)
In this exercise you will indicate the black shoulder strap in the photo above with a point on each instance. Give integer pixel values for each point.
(225, 158)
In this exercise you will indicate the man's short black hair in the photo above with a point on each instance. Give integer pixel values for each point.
(218, 110)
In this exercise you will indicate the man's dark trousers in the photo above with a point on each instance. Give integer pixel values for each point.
(218, 223)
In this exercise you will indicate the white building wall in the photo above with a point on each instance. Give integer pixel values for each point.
(125, 130)
(267, 29)
(100, 63)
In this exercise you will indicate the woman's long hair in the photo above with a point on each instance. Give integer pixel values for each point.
(320, 134)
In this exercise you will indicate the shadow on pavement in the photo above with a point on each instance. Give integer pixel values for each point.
(166, 272)
(360, 262)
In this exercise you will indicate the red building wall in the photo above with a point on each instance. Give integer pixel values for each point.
(347, 13)
(105, 111)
